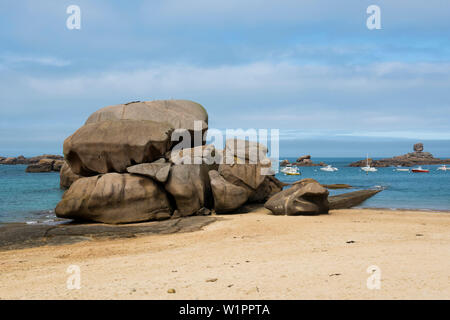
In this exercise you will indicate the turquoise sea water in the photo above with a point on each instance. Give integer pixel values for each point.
(27, 196)
(31, 197)
(402, 190)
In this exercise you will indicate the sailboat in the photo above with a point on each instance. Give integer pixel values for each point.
(368, 168)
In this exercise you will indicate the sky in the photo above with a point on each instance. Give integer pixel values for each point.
(310, 68)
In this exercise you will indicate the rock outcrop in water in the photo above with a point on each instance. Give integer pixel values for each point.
(32, 160)
(303, 161)
(45, 165)
(417, 157)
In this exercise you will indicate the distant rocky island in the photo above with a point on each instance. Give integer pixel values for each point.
(417, 157)
(42, 163)
(303, 161)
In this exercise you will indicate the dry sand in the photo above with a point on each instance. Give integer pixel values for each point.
(250, 256)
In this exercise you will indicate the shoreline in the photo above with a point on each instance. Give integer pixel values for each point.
(249, 256)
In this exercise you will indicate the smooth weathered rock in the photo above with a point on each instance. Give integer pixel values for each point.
(189, 185)
(179, 114)
(350, 199)
(246, 151)
(284, 163)
(114, 198)
(205, 154)
(158, 170)
(305, 197)
(113, 146)
(67, 177)
(267, 189)
(249, 176)
(227, 196)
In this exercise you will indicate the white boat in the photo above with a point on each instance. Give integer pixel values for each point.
(402, 169)
(290, 171)
(443, 168)
(329, 168)
(368, 168)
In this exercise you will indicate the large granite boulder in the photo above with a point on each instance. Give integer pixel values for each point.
(157, 170)
(245, 152)
(227, 196)
(113, 146)
(305, 197)
(205, 154)
(267, 189)
(114, 198)
(179, 114)
(67, 177)
(190, 186)
(249, 176)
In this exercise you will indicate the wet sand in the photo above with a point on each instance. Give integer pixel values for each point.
(249, 256)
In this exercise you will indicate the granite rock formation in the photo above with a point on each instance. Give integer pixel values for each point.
(417, 157)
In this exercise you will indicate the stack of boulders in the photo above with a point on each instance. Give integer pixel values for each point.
(146, 161)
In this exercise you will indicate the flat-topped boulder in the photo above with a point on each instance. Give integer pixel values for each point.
(113, 146)
(179, 114)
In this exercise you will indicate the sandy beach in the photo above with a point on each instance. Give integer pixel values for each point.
(250, 256)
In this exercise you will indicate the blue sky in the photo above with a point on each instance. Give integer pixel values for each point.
(309, 68)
